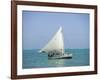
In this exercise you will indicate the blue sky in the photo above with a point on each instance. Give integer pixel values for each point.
(39, 27)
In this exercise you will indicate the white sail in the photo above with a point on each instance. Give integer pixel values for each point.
(56, 43)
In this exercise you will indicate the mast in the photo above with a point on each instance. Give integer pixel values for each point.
(56, 43)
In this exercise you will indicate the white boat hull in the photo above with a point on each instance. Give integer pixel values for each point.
(64, 56)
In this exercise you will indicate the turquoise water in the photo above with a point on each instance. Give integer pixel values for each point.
(33, 59)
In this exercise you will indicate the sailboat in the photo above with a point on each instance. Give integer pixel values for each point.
(55, 47)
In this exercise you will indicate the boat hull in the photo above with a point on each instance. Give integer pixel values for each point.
(64, 56)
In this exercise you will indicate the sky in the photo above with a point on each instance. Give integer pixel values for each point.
(39, 27)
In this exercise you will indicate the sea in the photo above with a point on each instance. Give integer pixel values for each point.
(34, 59)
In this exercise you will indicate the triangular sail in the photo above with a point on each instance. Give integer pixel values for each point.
(56, 43)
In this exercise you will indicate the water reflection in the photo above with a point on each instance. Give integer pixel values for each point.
(56, 62)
